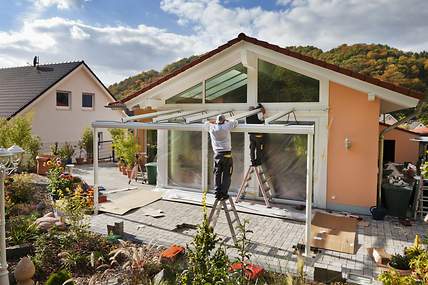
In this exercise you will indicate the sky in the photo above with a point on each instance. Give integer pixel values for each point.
(120, 38)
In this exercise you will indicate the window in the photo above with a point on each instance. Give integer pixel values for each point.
(278, 84)
(88, 100)
(63, 99)
(230, 86)
(191, 95)
(185, 159)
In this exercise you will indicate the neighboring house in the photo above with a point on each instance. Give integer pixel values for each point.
(341, 106)
(387, 119)
(416, 125)
(398, 146)
(62, 99)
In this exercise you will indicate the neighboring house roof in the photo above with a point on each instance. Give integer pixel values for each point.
(415, 125)
(20, 86)
(242, 37)
(423, 130)
(388, 119)
(413, 132)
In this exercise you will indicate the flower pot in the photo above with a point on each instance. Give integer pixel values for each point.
(80, 160)
(42, 164)
(378, 213)
(129, 172)
(124, 172)
(402, 272)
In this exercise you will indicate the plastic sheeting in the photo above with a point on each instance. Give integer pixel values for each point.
(185, 159)
(285, 161)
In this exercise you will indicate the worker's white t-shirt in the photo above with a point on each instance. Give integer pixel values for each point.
(220, 135)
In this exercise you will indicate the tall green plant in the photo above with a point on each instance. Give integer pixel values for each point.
(207, 259)
(18, 131)
(88, 142)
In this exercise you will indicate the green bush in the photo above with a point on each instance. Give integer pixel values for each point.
(18, 131)
(20, 188)
(88, 142)
(65, 152)
(207, 262)
(126, 147)
(58, 278)
(21, 229)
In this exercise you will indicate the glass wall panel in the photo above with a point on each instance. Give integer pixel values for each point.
(191, 95)
(278, 84)
(285, 162)
(230, 86)
(185, 159)
(238, 162)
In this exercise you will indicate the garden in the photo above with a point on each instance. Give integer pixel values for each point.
(49, 238)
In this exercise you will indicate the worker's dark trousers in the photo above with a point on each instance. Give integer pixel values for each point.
(223, 169)
(256, 148)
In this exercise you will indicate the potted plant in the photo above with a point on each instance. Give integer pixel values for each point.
(401, 264)
(88, 144)
(66, 152)
(129, 152)
(80, 159)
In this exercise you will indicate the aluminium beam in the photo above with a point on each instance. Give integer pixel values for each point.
(244, 114)
(149, 115)
(278, 116)
(198, 118)
(252, 128)
(176, 115)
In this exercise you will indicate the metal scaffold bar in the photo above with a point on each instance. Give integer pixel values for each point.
(149, 115)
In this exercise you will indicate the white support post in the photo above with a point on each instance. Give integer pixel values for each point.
(4, 273)
(95, 165)
(309, 178)
(204, 160)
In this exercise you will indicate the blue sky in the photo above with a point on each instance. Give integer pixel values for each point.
(119, 38)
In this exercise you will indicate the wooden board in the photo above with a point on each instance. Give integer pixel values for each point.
(121, 203)
(333, 232)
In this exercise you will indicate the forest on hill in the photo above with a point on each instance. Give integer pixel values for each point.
(407, 69)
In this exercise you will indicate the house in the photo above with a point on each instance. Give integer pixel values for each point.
(399, 146)
(61, 98)
(338, 108)
(387, 119)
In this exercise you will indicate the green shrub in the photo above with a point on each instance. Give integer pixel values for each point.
(21, 229)
(88, 142)
(20, 188)
(58, 278)
(18, 131)
(65, 152)
(207, 262)
(399, 261)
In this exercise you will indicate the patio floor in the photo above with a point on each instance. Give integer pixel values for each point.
(272, 239)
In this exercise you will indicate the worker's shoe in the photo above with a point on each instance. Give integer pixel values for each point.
(224, 197)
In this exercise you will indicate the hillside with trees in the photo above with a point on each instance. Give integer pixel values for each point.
(408, 69)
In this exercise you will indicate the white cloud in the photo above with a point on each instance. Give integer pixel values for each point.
(118, 51)
(78, 34)
(59, 4)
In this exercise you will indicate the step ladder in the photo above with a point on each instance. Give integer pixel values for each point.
(263, 182)
(421, 205)
(215, 213)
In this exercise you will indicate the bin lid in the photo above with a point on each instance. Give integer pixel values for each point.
(151, 164)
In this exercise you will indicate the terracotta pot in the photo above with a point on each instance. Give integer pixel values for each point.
(129, 172)
(42, 167)
(124, 172)
(80, 160)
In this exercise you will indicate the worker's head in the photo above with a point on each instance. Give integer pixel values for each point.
(220, 119)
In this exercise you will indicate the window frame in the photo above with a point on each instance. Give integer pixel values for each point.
(93, 101)
(69, 93)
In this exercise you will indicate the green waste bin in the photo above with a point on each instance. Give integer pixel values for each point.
(397, 199)
(152, 171)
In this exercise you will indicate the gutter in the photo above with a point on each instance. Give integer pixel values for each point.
(416, 113)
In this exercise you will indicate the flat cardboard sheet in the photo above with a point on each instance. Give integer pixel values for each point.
(333, 232)
(121, 203)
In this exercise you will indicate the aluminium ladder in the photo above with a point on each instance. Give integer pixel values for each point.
(421, 205)
(263, 184)
(215, 212)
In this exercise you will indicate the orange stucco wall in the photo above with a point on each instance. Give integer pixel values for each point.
(405, 149)
(352, 173)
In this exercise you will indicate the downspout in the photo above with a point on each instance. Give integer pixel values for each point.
(415, 114)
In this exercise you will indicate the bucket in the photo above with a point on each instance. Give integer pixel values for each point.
(378, 213)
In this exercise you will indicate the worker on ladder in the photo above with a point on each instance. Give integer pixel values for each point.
(256, 139)
(223, 164)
